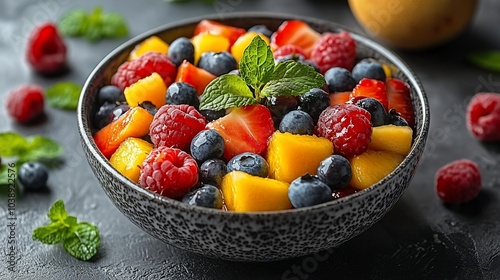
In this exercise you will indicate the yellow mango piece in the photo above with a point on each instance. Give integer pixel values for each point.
(391, 138)
(247, 193)
(152, 88)
(206, 42)
(387, 70)
(291, 155)
(151, 44)
(372, 166)
(129, 157)
(243, 41)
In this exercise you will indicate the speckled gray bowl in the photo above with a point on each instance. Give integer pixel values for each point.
(251, 236)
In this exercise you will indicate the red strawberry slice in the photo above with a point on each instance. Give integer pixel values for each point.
(371, 88)
(245, 129)
(339, 97)
(295, 32)
(216, 28)
(398, 94)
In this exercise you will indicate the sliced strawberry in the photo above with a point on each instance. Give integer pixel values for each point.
(230, 32)
(398, 94)
(197, 77)
(245, 129)
(371, 88)
(339, 97)
(295, 32)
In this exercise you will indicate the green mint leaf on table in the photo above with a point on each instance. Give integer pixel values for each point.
(73, 23)
(114, 26)
(80, 239)
(4, 175)
(226, 91)
(64, 95)
(257, 63)
(489, 60)
(32, 148)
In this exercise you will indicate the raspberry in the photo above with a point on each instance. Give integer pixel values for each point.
(287, 50)
(169, 172)
(175, 126)
(334, 50)
(483, 116)
(46, 50)
(26, 103)
(458, 181)
(348, 127)
(132, 71)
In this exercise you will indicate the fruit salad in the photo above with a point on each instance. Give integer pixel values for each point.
(254, 120)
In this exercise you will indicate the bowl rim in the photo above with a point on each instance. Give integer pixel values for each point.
(419, 139)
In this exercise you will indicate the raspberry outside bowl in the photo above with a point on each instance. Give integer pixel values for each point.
(262, 236)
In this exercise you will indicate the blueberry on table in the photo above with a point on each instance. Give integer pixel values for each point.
(212, 171)
(335, 171)
(368, 68)
(182, 93)
(314, 102)
(339, 79)
(212, 115)
(181, 49)
(376, 110)
(250, 163)
(307, 191)
(33, 175)
(111, 94)
(396, 119)
(207, 144)
(217, 63)
(205, 196)
(262, 29)
(297, 122)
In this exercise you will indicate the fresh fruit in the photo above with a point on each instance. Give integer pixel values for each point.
(372, 88)
(262, 29)
(175, 126)
(182, 93)
(339, 97)
(458, 181)
(375, 108)
(46, 51)
(368, 68)
(339, 79)
(129, 156)
(279, 106)
(483, 116)
(391, 138)
(212, 171)
(314, 102)
(247, 193)
(212, 115)
(209, 26)
(251, 126)
(334, 50)
(295, 32)
(286, 50)
(111, 94)
(168, 172)
(297, 58)
(25, 103)
(150, 107)
(151, 44)
(243, 41)
(395, 118)
(151, 88)
(337, 194)
(132, 71)
(335, 171)
(206, 42)
(250, 163)
(181, 49)
(297, 122)
(308, 191)
(102, 116)
(197, 77)
(134, 123)
(118, 111)
(372, 166)
(205, 196)
(217, 63)
(285, 150)
(348, 127)
(207, 144)
(33, 175)
(398, 95)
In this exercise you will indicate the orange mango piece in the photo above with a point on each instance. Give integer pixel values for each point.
(129, 156)
(152, 88)
(151, 44)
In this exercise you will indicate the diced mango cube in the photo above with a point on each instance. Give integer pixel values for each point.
(129, 156)
(391, 138)
(372, 166)
(152, 88)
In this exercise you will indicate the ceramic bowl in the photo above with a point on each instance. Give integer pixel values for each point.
(263, 236)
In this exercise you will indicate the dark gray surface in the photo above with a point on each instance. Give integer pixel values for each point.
(419, 239)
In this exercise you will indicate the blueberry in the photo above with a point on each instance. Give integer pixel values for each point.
(339, 79)
(297, 58)
(118, 111)
(212, 115)
(297, 122)
(235, 72)
(205, 196)
(335, 171)
(376, 110)
(101, 117)
(217, 63)
(148, 106)
(212, 171)
(368, 68)
(33, 175)
(279, 106)
(110, 94)
(396, 119)
(308, 191)
(182, 93)
(314, 102)
(262, 29)
(207, 144)
(250, 163)
(181, 49)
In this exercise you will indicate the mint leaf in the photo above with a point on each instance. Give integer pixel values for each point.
(257, 63)
(4, 175)
(226, 91)
(73, 23)
(83, 242)
(292, 78)
(50, 234)
(13, 144)
(57, 212)
(114, 25)
(489, 60)
(40, 147)
(64, 95)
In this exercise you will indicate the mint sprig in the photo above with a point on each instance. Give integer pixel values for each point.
(80, 239)
(64, 95)
(489, 60)
(31, 148)
(260, 78)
